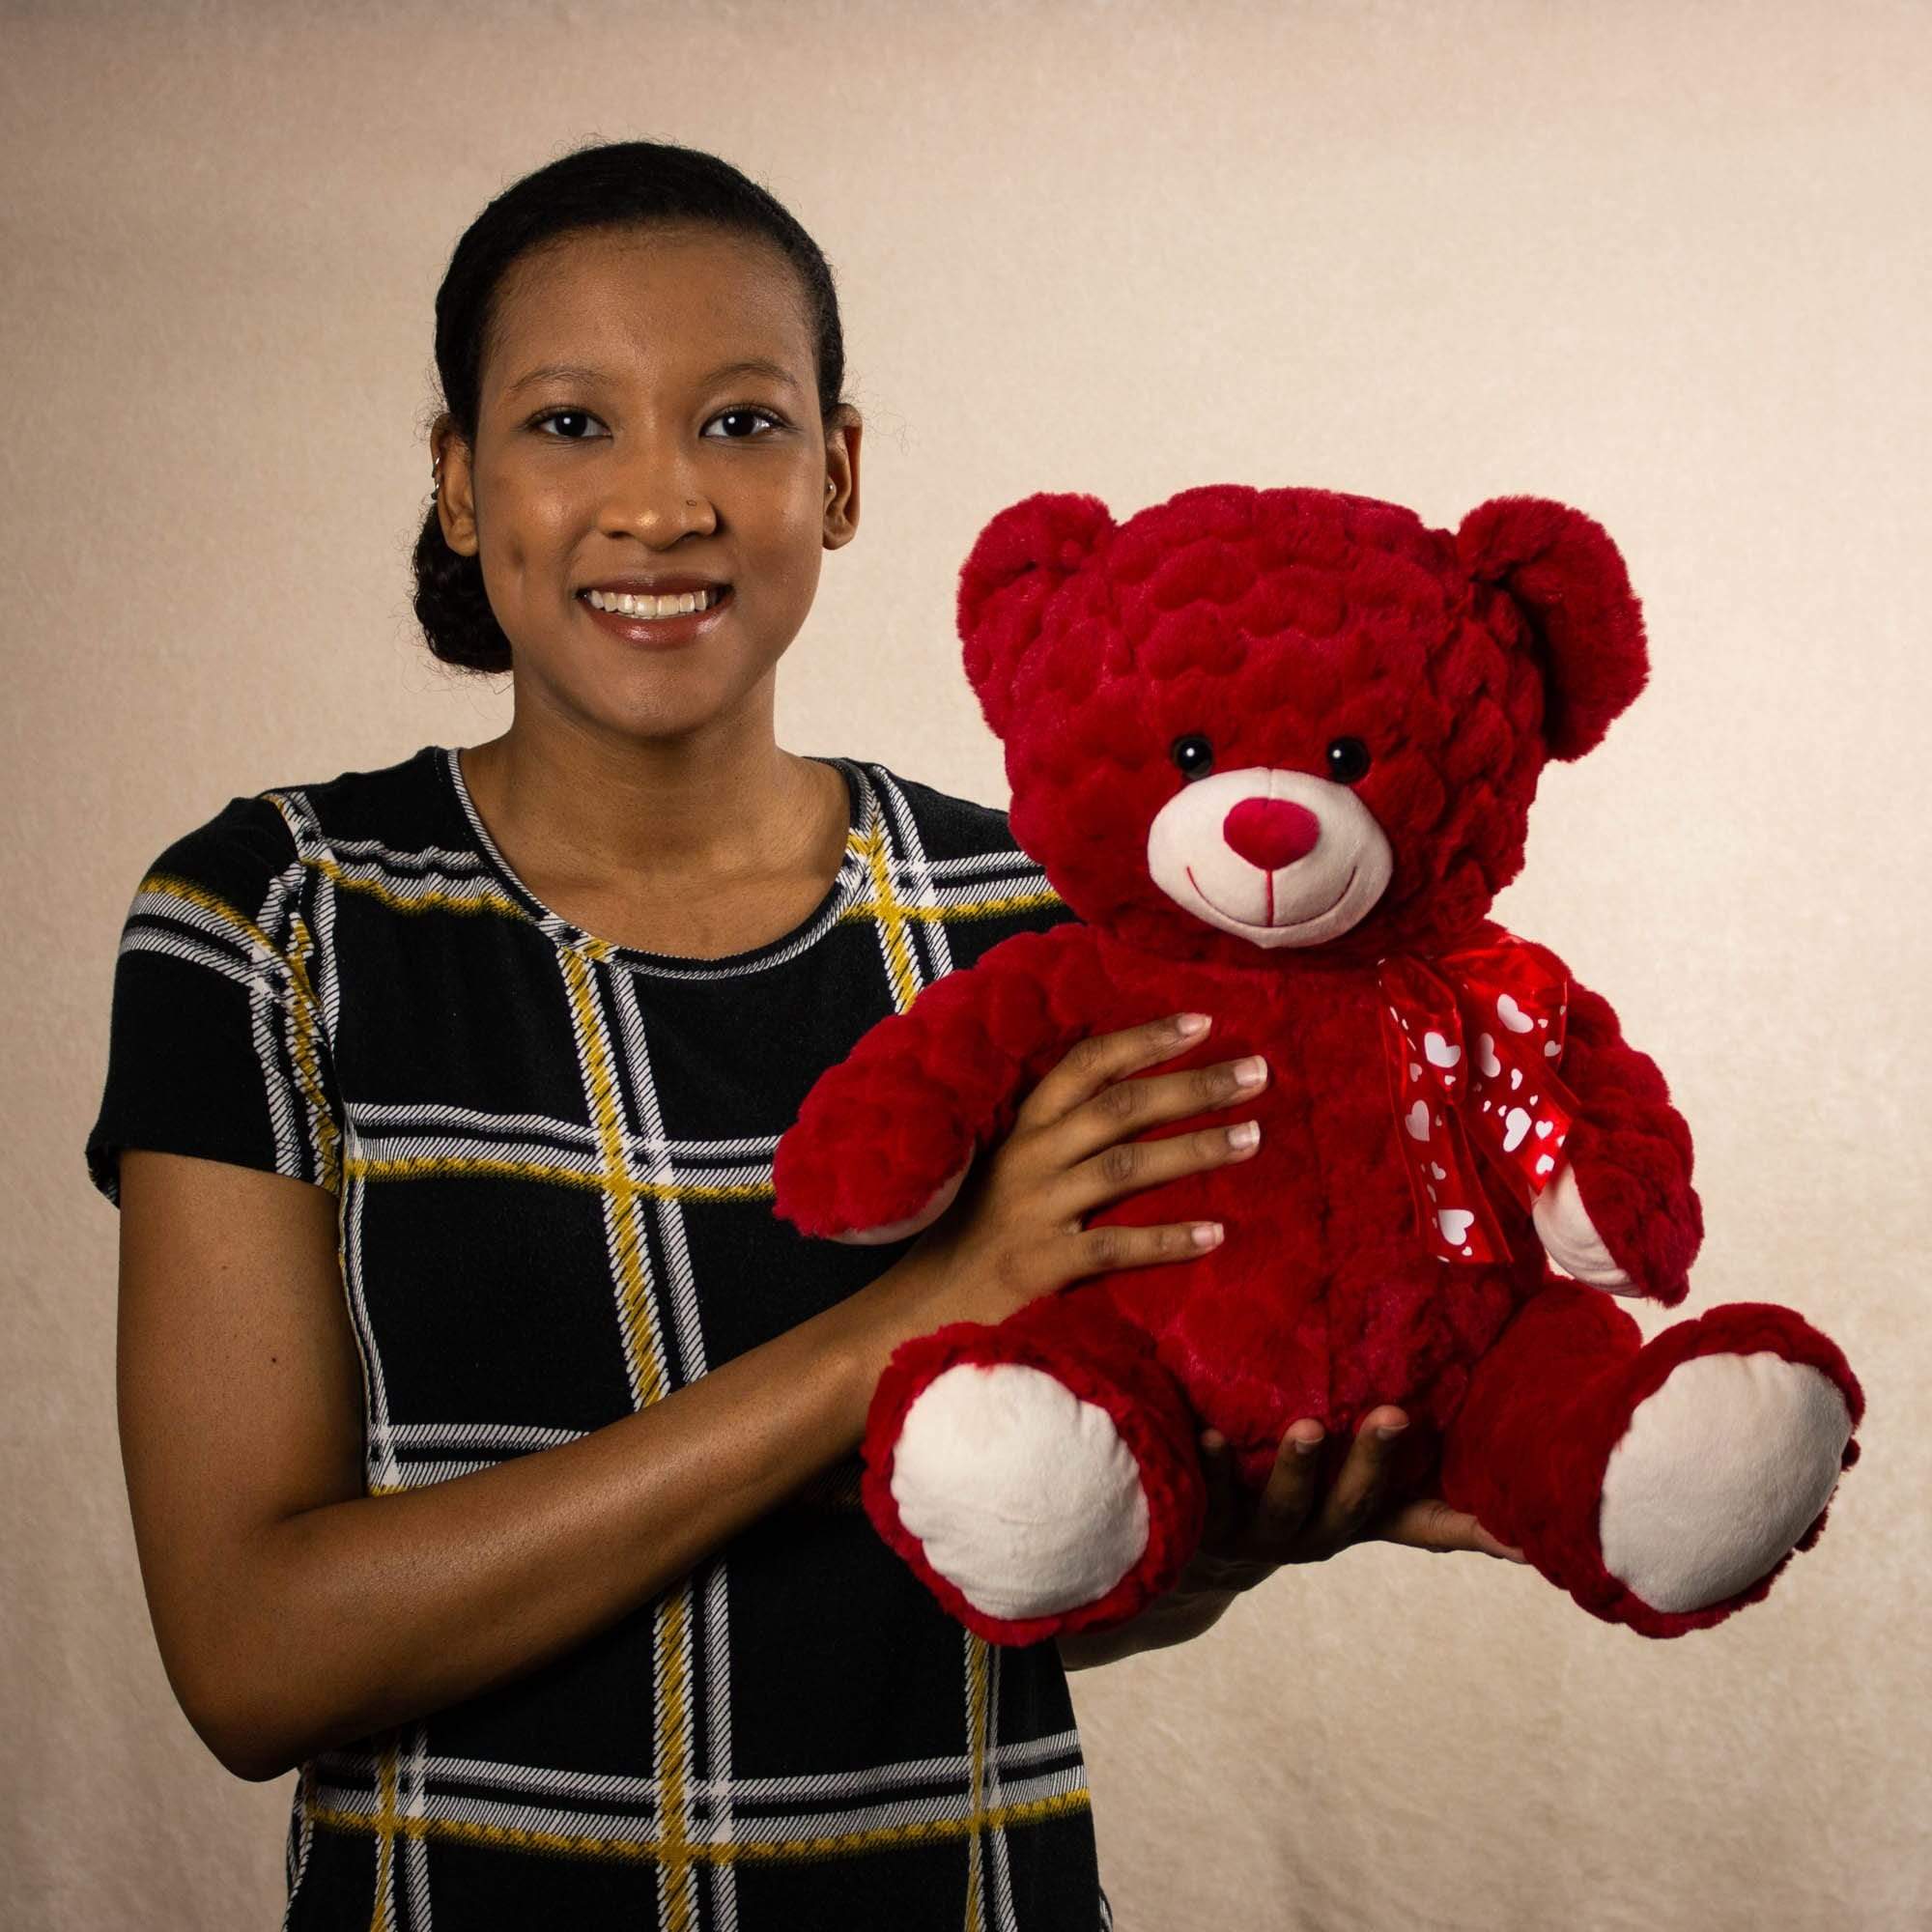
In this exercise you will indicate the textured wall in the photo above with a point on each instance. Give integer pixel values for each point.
(1667, 263)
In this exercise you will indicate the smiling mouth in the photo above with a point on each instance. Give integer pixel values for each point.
(1273, 924)
(640, 607)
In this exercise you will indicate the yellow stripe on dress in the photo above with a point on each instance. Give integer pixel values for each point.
(830, 1844)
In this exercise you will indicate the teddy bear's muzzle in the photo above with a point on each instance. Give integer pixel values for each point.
(1278, 858)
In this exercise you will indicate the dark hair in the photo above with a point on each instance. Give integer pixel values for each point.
(613, 184)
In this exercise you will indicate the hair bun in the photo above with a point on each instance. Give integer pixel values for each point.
(452, 607)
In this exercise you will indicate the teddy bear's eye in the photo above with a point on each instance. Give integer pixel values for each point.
(1195, 757)
(1347, 760)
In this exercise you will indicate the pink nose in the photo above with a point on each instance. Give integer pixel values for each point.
(1270, 832)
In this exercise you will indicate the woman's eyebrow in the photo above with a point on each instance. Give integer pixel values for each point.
(566, 373)
(776, 372)
(569, 373)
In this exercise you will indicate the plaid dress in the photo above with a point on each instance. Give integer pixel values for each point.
(552, 1162)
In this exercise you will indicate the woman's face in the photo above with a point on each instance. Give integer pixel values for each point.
(648, 426)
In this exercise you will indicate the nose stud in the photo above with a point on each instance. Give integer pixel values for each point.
(1271, 831)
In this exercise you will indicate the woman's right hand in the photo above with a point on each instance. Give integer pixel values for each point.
(1018, 1231)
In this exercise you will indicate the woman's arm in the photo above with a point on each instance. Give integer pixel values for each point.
(295, 1613)
(1178, 1617)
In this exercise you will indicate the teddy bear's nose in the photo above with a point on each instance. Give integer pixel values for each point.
(1270, 832)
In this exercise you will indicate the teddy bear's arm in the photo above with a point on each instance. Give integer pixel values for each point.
(884, 1137)
(1620, 1214)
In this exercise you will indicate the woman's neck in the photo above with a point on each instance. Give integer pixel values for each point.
(702, 845)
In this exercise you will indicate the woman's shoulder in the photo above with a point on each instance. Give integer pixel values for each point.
(257, 836)
(953, 863)
(947, 825)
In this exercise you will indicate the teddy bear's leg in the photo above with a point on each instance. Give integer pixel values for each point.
(1040, 1475)
(1662, 1484)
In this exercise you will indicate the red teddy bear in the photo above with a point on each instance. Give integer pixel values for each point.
(1277, 750)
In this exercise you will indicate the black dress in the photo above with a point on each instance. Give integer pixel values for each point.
(552, 1162)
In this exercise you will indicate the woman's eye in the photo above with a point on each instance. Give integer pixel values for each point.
(1347, 759)
(740, 425)
(1193, 755)
(572, 425)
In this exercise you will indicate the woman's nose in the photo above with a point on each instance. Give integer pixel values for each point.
(1271, 831)
(658, 498)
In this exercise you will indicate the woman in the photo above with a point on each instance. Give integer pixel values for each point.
(489, 1442)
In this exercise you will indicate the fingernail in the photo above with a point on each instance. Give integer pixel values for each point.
(1189, 1025)
(1246, 1134)
(1388, 1430)
(1250, 1072)
(1306, 1445)
(1207, 1234)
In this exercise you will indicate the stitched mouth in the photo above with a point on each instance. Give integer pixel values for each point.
(1272, 924)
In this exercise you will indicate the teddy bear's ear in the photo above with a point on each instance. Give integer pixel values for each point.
(1568, 579)
(1020, 560)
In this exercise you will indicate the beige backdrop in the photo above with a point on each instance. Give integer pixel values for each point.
(1666, 261)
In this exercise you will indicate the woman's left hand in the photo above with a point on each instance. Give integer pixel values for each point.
(1249, 1534)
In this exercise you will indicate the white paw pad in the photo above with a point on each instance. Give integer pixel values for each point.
(1023, 1496)
(1719, 1474)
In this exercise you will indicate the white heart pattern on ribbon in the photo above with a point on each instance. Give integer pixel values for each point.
(1489, 1008)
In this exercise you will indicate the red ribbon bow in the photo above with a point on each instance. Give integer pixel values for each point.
(1474, 1038)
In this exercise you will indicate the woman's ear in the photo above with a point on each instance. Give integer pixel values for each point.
(841, 477)
(1021, 559)
(1568, 581)
(455, 498)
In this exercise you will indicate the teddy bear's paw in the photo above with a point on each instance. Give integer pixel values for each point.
(1022, 1496)
(866, 1174)
(913, 1224)
(1569, 1237)
(1719, 1474)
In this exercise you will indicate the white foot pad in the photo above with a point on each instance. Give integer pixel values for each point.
(1024, 1498)
(1719, 1474)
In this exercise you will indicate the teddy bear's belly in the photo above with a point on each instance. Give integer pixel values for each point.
(1292, 1318)
(1322, 1300)
(1268, 1330)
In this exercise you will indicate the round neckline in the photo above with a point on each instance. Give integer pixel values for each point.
(846, 884)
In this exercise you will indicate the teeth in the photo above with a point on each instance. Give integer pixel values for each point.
(679, 603)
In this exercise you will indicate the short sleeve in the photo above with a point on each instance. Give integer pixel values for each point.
(217, 1042)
